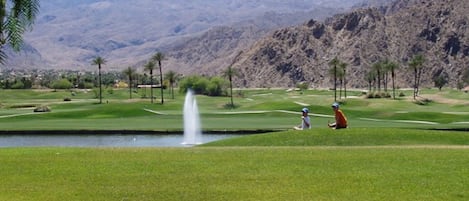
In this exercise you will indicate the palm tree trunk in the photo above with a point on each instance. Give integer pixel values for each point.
(136, 81)
(393, 86)
(345, 85)
(374, 84)
(335, 83)
(379, 81)
(151, 86)
(369, 86)
(340, 88)
(231, 92)
(418, 80)
(99, 83)
(172, 90)
(415, 83)
(161, 82)
(386, 82)
(130, 88)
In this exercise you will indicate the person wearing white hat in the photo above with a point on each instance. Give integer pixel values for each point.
(305, 121)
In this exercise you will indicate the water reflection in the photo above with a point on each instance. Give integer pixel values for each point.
(101, 140)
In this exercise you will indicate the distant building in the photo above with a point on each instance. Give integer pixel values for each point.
(148, 86)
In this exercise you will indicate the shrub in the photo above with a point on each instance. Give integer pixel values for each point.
(424, 101)
(62, 84)
(200, 86)
(188, 83)
(96, 92)
(67, 99)
(378, 95)
(216, 86)
(229, 106)
(85, 85)
(303, 86)
(18, 85)
(42, 108)
(386, 95)
(401, 94)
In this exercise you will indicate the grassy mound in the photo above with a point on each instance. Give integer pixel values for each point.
(349, 137)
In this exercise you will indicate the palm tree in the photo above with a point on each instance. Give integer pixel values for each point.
(135, 79)
(172, 77)
(144, 81)
(385, 73)
(343, 67)
(160, 57)
(370, 76)
(230, 73)
(150, 66)
(334, 63)
(14, 21)
(129, 72)
(392, 66)
(377, 67)
(416, 65)
(99, 61)
(340, 78)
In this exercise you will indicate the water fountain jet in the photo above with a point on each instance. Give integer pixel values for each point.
(192, 132)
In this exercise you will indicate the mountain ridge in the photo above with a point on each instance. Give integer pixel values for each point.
(362, 37)
(69, 34)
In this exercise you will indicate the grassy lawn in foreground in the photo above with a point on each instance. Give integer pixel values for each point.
(375, 159)
(234, 173)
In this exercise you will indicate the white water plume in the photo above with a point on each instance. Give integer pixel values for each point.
(192, 132)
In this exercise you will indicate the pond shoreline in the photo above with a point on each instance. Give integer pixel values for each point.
(126, 132)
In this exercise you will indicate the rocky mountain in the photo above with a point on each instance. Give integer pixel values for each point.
(69, 34)
(436, 29)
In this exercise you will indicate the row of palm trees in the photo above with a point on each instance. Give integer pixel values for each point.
(150, 67)
(378, 74)
(338, 71)
(130, 72)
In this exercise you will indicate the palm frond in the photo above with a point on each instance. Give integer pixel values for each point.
(26, 10)
(14, 31)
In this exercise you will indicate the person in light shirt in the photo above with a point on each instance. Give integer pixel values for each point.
(305, 121)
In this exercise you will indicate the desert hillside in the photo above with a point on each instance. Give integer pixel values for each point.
(69, 34)
(436, 29)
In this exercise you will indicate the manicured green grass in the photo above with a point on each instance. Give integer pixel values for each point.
(258, 109)
(350, 137)
(234, 173)
(380, 157)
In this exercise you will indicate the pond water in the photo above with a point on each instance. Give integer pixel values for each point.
(102, 140)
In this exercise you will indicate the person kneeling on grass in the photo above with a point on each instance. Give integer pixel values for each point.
(305, 122)
(340, 119)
